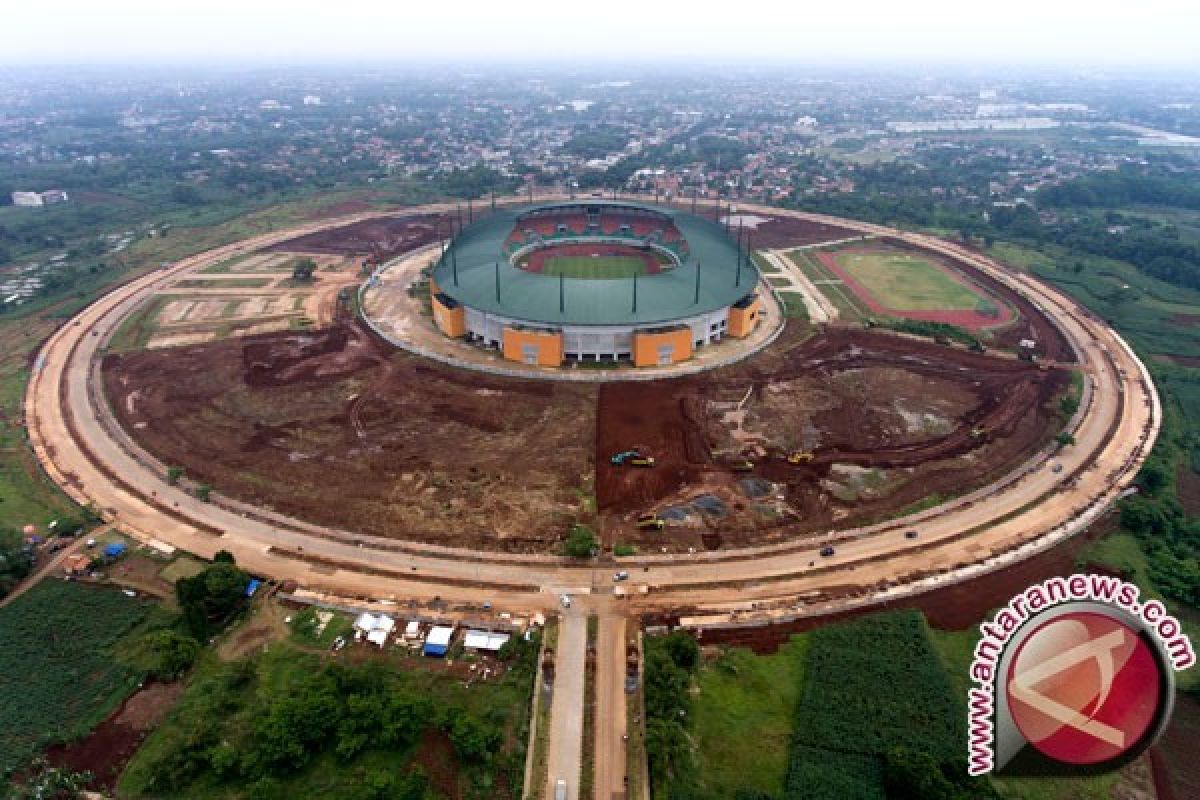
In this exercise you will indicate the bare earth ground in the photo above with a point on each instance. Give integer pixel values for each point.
(338, 428)
(888, 420)
(106, 750)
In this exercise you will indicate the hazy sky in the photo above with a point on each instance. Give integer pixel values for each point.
(1127, 33)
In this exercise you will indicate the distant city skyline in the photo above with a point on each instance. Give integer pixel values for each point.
(1103, 33)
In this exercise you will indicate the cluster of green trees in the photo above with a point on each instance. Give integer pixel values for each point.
(209, 599)
(16, 560)
(1168, 536)
(671, 661)
(1125, 187)
(256, 723)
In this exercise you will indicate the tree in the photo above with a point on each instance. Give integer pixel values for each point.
(173, 475)
(209, 598)
(303, 269)
(203, 491)
(683, 650)
(581, 542)
(1063, 439)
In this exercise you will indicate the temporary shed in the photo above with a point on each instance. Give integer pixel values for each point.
(413, 629)
(377, 637)
(438, 641)
(484, 640)
(365, 622)
(115, 550)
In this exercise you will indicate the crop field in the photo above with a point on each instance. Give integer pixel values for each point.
(599, 268)
(58, 676)
(871, 685)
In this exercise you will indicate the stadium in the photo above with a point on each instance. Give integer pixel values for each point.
(595, 281)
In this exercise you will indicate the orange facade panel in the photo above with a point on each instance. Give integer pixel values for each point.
(743, 316)
(448, 315)
(543, 348)
(662, 347)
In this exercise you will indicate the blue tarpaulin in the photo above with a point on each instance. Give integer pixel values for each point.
(252, 587)
(115, 550)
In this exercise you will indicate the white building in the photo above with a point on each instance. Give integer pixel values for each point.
(28, 199)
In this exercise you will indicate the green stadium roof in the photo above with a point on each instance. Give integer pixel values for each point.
(534, 297)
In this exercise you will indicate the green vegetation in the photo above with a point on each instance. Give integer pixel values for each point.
(595, 268)
(849, 307)
(859, 709)
(223, 283)
(59, 666)
(793, 306)
(16, 560)
(581, 542)
(938, 331)
(744, 713)
(845, 707)
(209, 599)
(906, 282)
(294, 724)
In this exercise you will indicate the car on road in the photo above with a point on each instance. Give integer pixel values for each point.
(565, 600)
(910, 534)
(1057, 468)
(621, 576)
(827, 550)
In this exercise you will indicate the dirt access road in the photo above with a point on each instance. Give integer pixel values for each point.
(566, 705)
(610, 762)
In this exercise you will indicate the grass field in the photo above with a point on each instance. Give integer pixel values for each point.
(849, 308)
(598, 268)
(58, 676)
(904, 282)
(745, 710)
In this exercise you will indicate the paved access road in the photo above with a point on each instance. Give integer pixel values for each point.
(566, 706)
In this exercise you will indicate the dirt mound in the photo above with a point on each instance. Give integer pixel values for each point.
(383, 237)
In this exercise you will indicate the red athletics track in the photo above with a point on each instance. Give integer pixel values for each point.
(963, 318)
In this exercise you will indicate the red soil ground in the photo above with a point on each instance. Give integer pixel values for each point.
(535, 261)
(784, 232)
(384, 237)
(107, 749)
(963, 318)
(674, 421)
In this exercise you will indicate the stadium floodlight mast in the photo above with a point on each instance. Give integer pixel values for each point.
(635, 292)
(697, 298)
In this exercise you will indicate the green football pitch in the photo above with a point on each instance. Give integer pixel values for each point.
(594, 267)
(904, 282)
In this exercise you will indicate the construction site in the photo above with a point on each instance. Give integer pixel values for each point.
(837, 466)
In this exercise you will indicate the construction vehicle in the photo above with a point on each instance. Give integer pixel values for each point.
(978, 431)
(633, 458)
(650, 521)
(799, 457)
(742, 466)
